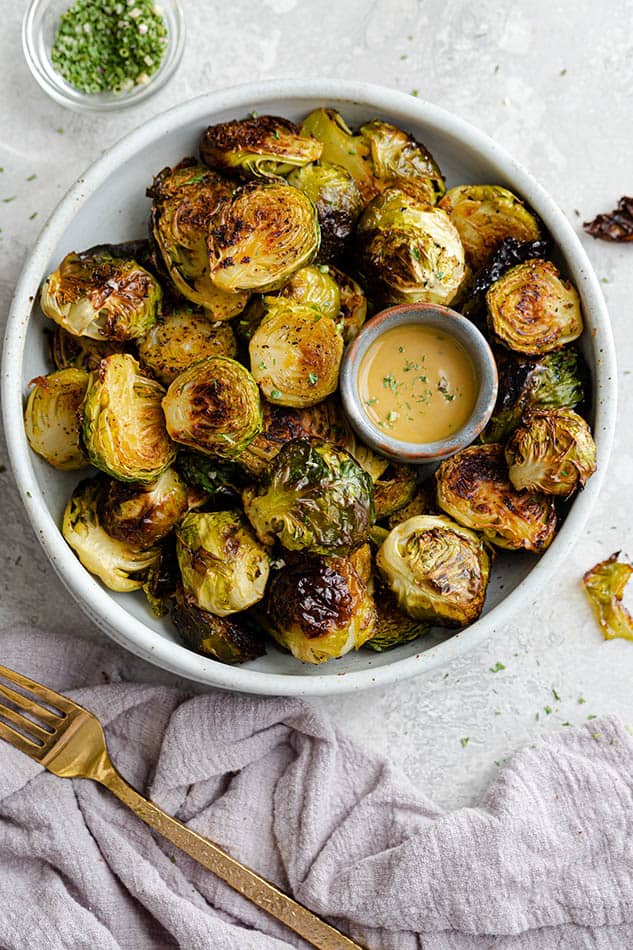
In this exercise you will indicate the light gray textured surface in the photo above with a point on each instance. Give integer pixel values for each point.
(551, 82)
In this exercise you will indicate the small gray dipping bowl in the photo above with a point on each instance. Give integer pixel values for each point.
(442, 318)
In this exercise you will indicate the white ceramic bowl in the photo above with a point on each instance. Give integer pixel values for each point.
(108, 204)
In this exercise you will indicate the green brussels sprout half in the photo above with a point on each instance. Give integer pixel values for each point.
(399, 160)
(101, 297)
(409, 252)
(295, 355)
(341, 147)
(223, 566)
(261, 146)
(118, 564)
(532, 310)
(123, 423)
(333, 191)
(51, 418)
(260, 236)
(473, 487)
(143, 515)
(353, 303)
(222, 638)
(394, 489)
(393, 626)
(79, 352)
(604, 585)
(314, 287)
(214, 407)
(552, 451)
(222, 481)
(181, 338)
(437, 569)
(485, 215)
(314, 497)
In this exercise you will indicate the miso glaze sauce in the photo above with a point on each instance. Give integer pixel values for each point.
(417, 384)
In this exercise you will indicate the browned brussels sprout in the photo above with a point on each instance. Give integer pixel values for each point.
(222, 638)
(353, 303)
(604, 585)
(79, 352)
(333, 191)
(423, 502)
(551, 451)
(221, 481)
(394, 489)
(532, 310)
(51, 418)
(473, 487)
(145, 514)
(314, 287)
(261, 146)
(181, 338)
(163, 579)
(393, 626)
(214, 407)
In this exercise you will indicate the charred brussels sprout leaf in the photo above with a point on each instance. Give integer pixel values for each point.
(222, 481)
(394, 489)
(551, 451)
(223, 566)
(262, 146)
(314, 497)
(182, 338)
(51, 418)
(123, 423)
(260, 236)
(353, 303)
(163, 579)
(144, 514)
(214, 407)
(615, 226)
(532, 310)
(333, 191)
(398, 159)
(473, 487)
(437, 569)
(604, 585)
(224, 639)
(79, 352)
(101, 297)
(120, 565)
(314, 287)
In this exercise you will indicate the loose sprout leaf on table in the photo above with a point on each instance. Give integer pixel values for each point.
(617, 225)
(604, 585)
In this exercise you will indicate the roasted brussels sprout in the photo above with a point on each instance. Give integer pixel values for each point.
(163, 579)
(220, 480)
(532, 310)
(423, 503)
(314, 497)
(295, 355)
(486, 214)
(507, 254)
(145, 514)
(394, 489)
(261, 146)
(182, 338)
(101, 297)
(333, 191)
(260, 236)
(314, 287)
(319, 608)
(409, 252)
(123, 423)
(79, 352)
(393, 626)
(224, 639)
(341, 147)
(120, 565)
(551, 451)
(473, 488)
(224, 568)
(604, 585)
(214, 407)
(51, 418)
(353, 303)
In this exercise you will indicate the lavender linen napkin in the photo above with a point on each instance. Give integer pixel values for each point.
(545, 861)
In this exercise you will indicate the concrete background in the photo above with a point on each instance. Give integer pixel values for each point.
(550, 81)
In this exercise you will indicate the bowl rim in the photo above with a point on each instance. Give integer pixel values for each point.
(114, 619)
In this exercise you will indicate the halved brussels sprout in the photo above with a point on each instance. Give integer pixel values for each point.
(508, 253)
(314, 497)
(224, 568)
(319, 609)
(222, 481)
(423, 502)
(409, 252)
(295, 355)
(224, 639)
(394, 489)
(604, 585)
(79, 352)
(333, 191)
(51, 418)
(341, 147)
(120, 565)
(314, 287)
(551, 451)
(532, 310)
(260, 236)
(101, 297)
(145, 514)
(261, 146)
(393, 626)
(473, 487)
(214, 407)
(181, 338)
(486, 214)
(123, 423)
(353, 303)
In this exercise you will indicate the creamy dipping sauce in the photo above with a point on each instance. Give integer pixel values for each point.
(417, 384)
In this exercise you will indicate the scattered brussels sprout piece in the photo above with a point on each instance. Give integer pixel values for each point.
(214, 407)
(394, 489)
(261, 146)
(222, 481)
(79, 352)
(437, 569)
(163, 579)
(145, 514)
(353, 304)
(473, 487)
(604, 585)
(123, 423)
(333, 191)
(295, 355)
(314, 497)
(223, 639)
(223, 566)
(551, 451)
(485, 215)
(182, 338)
(260, 236)
(120, 565)
(409, 252)
(341, 147)
(423, 502)
(399, 160)
(51, 418)
(101, 297)
(532, 310)
(393, 626)
(314, 287)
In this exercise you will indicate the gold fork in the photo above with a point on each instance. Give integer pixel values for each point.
(69, 741)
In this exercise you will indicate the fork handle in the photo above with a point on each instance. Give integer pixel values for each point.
(294, 915)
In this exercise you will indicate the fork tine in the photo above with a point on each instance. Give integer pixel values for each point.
(26, 703)
(16, 739)
(32, 729)
(42, 692)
